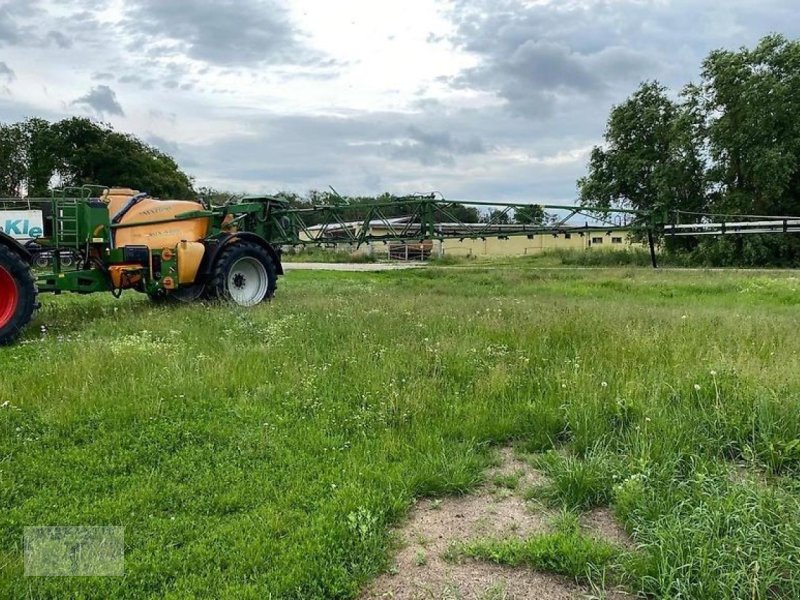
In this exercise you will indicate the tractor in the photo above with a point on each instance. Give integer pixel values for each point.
(123, 239)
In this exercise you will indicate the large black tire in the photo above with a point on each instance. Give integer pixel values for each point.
(231, 268)
(17, 295)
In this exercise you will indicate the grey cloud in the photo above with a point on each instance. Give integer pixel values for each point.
(435, 38)
(10, 31)
(443, 140)
(533, 69)
(59, 40)
(134, 79)
(542, 57)
(463, 153)
(223, 33)
(163, 144)
(6, 72)
(285, 152)
(22, 22)
(102, 100)
(550, 66)
(12, 110)
(617, 63)
(186, 160)
(432, 147)
(159, 114)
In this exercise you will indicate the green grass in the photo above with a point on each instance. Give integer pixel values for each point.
(565, 551)
(508, 481)
(599, 257)
(576, 483)
(326, 255)
(267, 452)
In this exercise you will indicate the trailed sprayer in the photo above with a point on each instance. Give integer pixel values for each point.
(123, 239)
(97, 239)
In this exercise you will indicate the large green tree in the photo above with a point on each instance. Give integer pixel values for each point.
(531, 215)
(496, 217)
(729, 144)
(39, 156)
(93, 153)
(12, 161)
(751, 103)
(36, 155)
(651, 159)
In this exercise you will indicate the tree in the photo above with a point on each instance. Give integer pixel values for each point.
(12, 161)
(457, 212)
(530, 215)
(78, 151)
(40, 160)
(751, 101)
(728, 145)
(650, 160)
(496, 217)
(93, 153)
(214, 196)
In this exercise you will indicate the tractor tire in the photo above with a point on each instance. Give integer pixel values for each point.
(17, 295)
(244, 274)
(41, 260)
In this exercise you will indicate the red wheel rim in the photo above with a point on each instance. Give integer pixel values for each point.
(9, 297)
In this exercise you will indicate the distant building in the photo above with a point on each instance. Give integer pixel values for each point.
(479, 239)
(523, 245)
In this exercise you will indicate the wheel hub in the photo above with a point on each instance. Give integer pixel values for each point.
(9, 297)
(247, 281)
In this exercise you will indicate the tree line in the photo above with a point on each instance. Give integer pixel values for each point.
(36, 155)
(352, 209)
(728, 145)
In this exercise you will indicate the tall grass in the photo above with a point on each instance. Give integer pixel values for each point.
(565, 551)
(326, 255)
(267, 452)
(599, 258)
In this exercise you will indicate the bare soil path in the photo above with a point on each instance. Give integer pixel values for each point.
(420, 570)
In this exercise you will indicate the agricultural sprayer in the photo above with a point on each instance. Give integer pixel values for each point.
(121, 239)
(97, 239)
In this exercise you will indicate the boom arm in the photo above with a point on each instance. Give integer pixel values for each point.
(417, 218)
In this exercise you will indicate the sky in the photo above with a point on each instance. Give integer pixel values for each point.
(477, 99)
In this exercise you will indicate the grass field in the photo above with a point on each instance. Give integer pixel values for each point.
(267, 453)
(324, 255)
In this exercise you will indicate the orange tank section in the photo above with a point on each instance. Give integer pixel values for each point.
(116, 198)
(149, 212)
(190, 255)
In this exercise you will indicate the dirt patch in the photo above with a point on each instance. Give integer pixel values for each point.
(473, 581)
(496, 510)
(510, 464)
(600, 522)
(743, 473)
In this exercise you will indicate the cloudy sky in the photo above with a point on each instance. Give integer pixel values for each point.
(478, 99)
